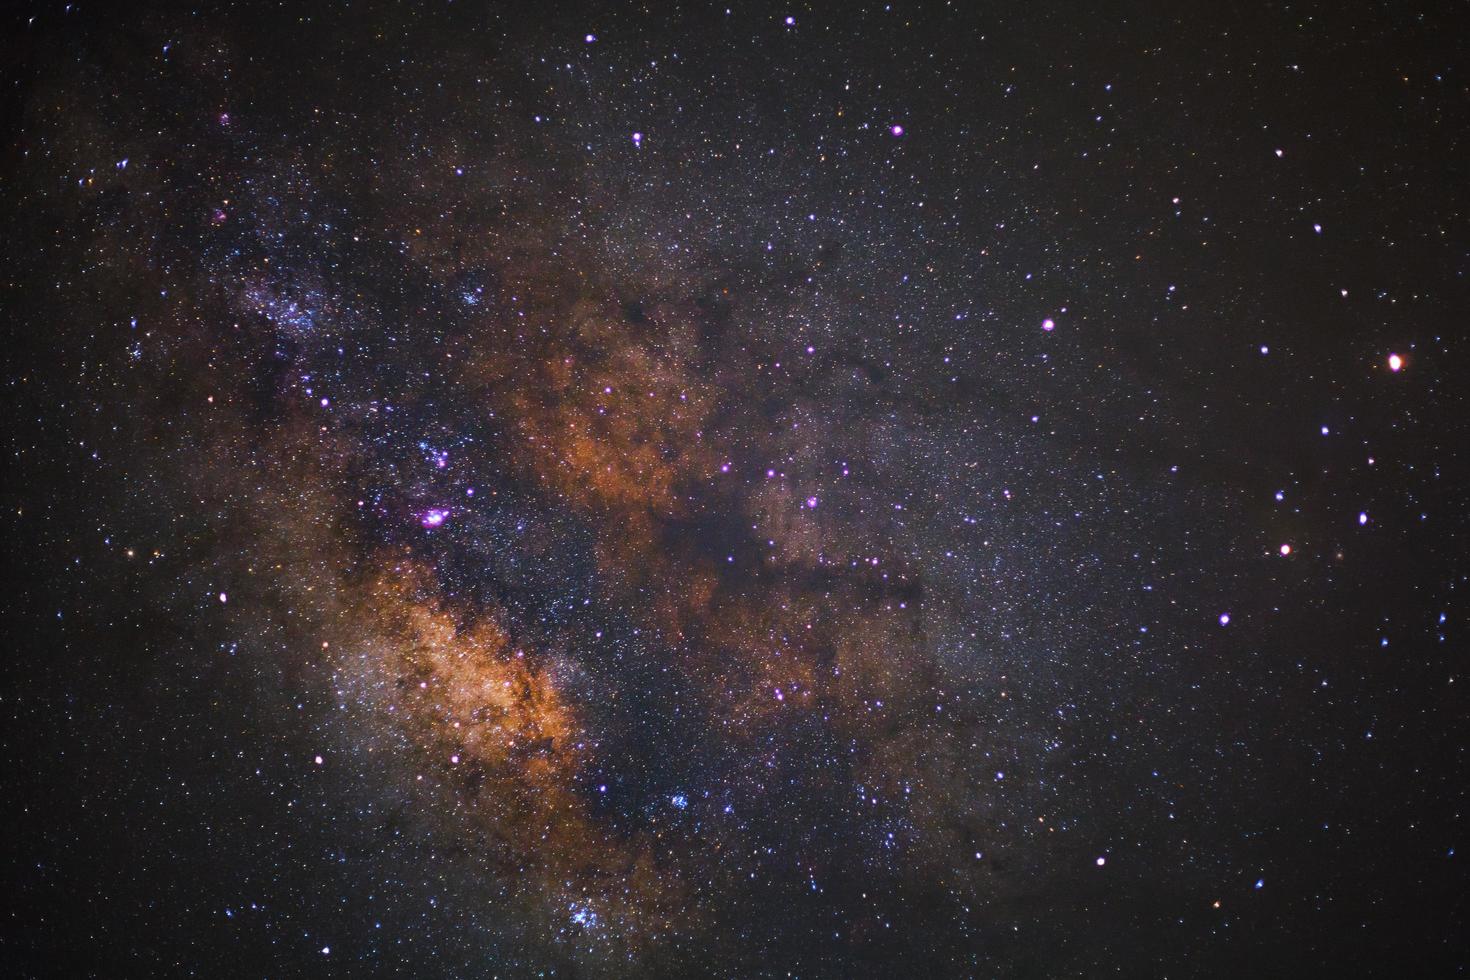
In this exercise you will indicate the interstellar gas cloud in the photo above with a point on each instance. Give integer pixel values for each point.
(838, 490)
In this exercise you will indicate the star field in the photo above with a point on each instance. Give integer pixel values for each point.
(681, 490)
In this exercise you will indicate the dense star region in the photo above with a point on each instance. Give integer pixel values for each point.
(838, 490)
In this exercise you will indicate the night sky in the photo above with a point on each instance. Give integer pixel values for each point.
(915, 489)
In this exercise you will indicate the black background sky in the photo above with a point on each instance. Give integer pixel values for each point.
(829, 490)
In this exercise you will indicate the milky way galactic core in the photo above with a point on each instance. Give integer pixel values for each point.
(833, 490)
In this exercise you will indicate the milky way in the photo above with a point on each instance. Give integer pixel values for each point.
(832, 491)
